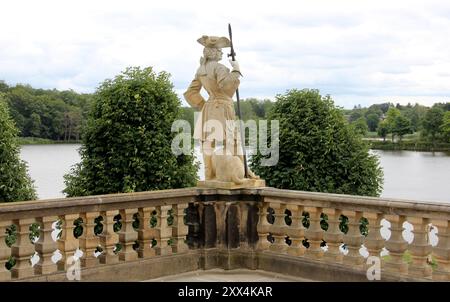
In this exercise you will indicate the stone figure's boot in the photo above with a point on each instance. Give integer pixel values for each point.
(209, 171)
(251, 175)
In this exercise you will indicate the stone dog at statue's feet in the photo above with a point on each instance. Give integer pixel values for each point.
(228, 167)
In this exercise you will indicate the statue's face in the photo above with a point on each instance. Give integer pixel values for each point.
(214, 54)
(219, 54)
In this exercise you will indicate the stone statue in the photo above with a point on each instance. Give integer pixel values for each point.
(215, 127)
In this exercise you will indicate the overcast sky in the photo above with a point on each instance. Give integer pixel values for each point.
(359, 52)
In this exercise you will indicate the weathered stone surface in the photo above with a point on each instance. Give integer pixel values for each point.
(246, 183)
(224, 164)
(232, 226)
(243, 218)
(45, 246)
(209, 227)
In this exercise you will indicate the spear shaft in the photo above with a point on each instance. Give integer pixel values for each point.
(241, 126)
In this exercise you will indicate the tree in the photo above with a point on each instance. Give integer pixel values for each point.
(374, 109)
(432, 122)
(126, 145)
(3, 86)
(356, 114)
(391, 116)
(402, 126)
(443, 106)
(15, 183)
(383, 129)
(34, 125)
(188, 114)
(372, 121)
(445, 127)
(360, 126)
(318, 150)
(61, 113)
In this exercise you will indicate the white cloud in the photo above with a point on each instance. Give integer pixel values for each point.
(359, 52)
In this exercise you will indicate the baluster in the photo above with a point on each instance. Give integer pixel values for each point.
(67, 243)
(243, 230)
(396, 246)
(333, 236)
(221, 216)
(88, 240)
(263, 228)
(296, 231)
(208, 225)
(45, 246)
(5, 252)
(420, 248)
(279, 228)
(127, 235)
(374, 242)
(108, 238)
(164, 231)
(180, 230)
(442, 251)
(353, 239)
(145, 233)
(314, 233)
(23, 249)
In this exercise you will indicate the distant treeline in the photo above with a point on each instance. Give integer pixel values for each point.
(49, 114)
(60, 115)
(431, 123)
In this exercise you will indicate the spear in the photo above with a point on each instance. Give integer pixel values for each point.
(241, 127)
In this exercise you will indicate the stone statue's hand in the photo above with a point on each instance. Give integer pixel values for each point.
(235, 66)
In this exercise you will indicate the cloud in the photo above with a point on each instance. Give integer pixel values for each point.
(356, 51)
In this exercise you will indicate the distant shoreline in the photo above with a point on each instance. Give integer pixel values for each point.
(44, 141)
(374, 144)
(409, 146)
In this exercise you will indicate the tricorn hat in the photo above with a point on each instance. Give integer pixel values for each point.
(213, 41)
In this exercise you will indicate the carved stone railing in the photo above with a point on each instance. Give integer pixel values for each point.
(327, 230)
(107, 229)
(146, 235)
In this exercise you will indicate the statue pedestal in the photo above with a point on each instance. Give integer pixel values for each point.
(215, 184)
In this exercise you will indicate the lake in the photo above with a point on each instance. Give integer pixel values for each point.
(407, 174)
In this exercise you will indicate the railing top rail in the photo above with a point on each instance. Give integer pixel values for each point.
(97, 203)
(426, 209)
(53, 207)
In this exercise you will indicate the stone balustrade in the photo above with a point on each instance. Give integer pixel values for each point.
(353, 224)
(138, 236)
(105, 230)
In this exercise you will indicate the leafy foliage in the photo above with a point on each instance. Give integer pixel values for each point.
(136, 221)
(372, 121)
(50, 114)
(445, 127)
(126, 144)
(15, 183)
(98, 228)
(78, 229)
(402, 126)
(11, 235)
(360, 126)
(433, 122)
(383, 129)
(319, 151)
(34, 232)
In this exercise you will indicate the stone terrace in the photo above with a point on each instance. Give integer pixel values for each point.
(161, 234)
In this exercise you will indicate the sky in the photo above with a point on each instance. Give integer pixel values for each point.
(359, 52)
